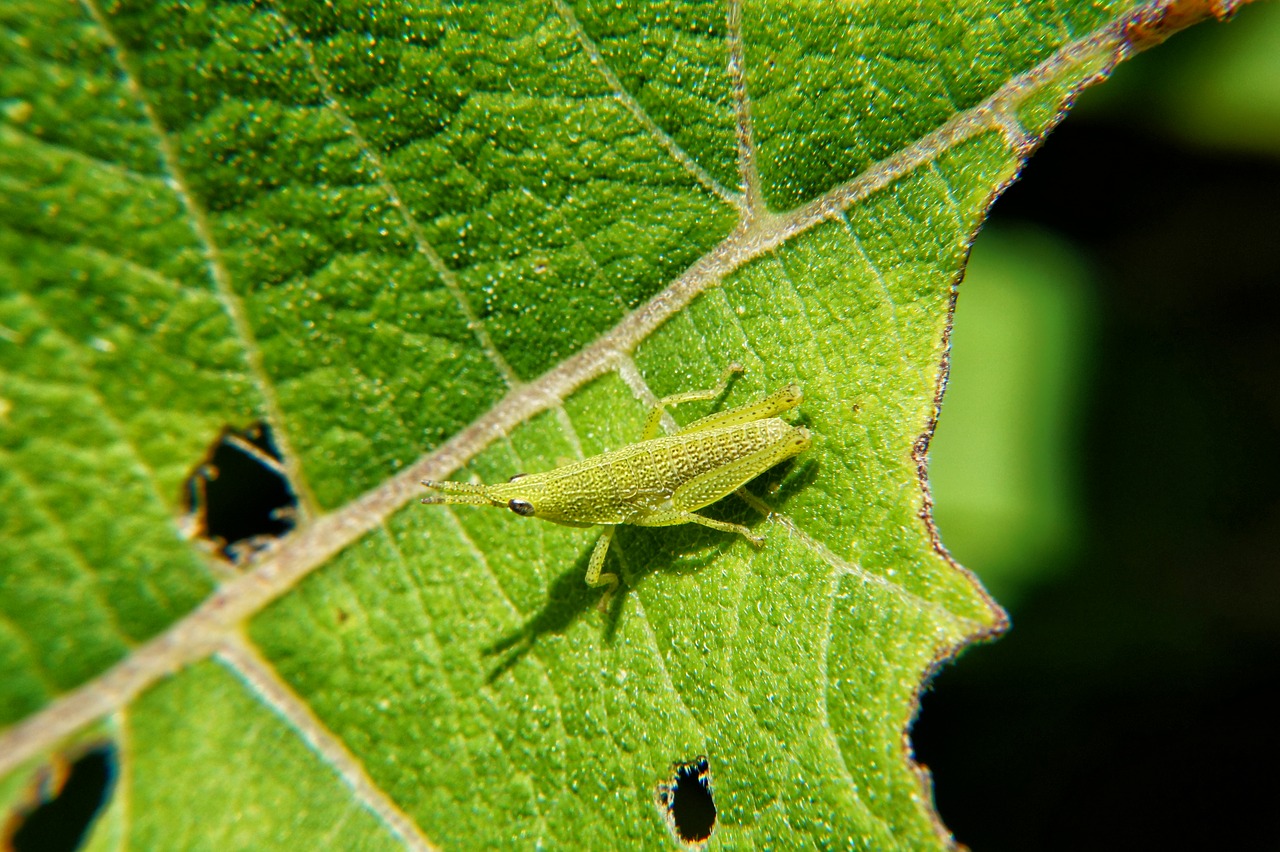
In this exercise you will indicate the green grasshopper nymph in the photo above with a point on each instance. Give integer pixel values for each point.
(656, 482)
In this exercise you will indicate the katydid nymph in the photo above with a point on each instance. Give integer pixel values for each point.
(655, 482)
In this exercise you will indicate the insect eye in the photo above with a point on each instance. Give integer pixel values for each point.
(521, 507)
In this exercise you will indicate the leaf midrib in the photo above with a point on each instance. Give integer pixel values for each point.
(206, 629)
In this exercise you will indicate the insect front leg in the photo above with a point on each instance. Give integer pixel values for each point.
(594, 577)
(654, 423)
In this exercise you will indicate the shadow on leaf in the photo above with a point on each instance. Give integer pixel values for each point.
(568, 597)
(638, 552)
(778, 486)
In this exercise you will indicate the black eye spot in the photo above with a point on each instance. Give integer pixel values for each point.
(521, 507)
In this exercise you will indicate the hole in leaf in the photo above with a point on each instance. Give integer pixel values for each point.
(687, 803)
(66, 798)
(239, 496)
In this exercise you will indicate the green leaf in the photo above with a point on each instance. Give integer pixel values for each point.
(425, 239)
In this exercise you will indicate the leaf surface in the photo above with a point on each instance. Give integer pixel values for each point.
(441, 240)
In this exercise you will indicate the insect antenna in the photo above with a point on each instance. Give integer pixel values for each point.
(465, 493)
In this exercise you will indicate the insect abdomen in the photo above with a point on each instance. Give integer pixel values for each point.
(649, 472)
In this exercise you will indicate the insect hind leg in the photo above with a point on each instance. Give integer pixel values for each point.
(654, 422)
(783, 399)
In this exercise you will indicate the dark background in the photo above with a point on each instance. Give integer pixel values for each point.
(1131, 704)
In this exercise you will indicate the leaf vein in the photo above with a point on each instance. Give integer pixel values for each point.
(415, 574)
(72, 549)
(198, 634)
(218, 273)
(633, 106)
(748, 171)
(31, 645)
(894, 323)
(13, 135)
(263, 681)
(379, 171)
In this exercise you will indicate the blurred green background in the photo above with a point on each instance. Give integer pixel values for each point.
(1107, 463)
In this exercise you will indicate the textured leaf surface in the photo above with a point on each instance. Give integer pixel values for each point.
(490, 233)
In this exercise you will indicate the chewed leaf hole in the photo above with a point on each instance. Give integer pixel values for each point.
(687, 803)
(65, 799)
(239, 497)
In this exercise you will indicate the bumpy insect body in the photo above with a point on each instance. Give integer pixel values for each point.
(656, 482)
